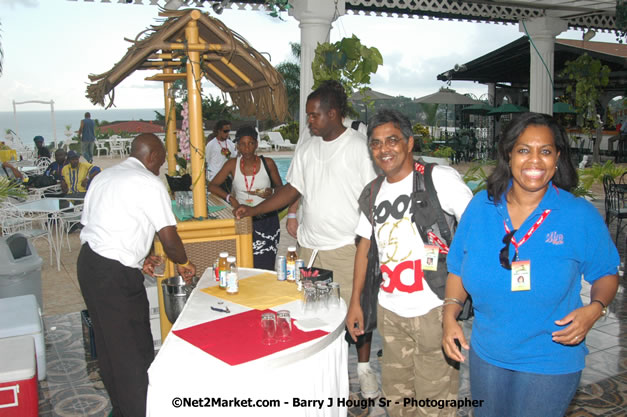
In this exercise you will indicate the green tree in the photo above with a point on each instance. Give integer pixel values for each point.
(213, 108)
(290, 70)
(347, 61)
(430, 111)
(586, 79)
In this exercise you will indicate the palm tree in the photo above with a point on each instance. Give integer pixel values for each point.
(290, 71)
(430, 110)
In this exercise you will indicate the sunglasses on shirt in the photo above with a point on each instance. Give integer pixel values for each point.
(504, 254)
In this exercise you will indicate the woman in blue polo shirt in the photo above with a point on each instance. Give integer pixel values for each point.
(520, 251)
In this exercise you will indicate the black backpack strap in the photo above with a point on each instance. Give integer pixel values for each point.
(355, 124)
(445, 230)
(265, 165)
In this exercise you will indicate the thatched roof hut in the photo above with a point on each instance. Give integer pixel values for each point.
(227, 60)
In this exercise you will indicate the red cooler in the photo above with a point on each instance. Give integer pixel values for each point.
(18, 378)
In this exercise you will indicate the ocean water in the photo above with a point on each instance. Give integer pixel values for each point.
(32, 123)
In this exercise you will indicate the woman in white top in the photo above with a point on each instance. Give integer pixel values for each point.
(255, 178)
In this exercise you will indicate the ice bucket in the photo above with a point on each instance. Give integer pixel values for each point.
(175, 294)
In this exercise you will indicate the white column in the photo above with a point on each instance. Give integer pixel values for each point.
(542, 31)
(315, 17)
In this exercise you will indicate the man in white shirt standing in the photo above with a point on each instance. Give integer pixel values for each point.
(220, 149)
(328, 173)
(409, 313)
(124, 207)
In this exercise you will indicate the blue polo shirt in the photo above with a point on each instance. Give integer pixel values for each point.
(512, 329)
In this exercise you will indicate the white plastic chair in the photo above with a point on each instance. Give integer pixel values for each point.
(42, 164)
(68, 219)
(16, 221)
(264, 145)
(100, 146)
(116, 146)
(276, 139)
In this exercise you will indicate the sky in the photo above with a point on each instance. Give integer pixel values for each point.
(51, 46)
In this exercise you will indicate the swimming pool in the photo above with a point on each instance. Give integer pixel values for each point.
(283, 164)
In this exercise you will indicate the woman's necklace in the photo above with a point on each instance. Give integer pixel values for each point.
(249, 188)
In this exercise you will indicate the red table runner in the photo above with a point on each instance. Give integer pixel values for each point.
(236, 339)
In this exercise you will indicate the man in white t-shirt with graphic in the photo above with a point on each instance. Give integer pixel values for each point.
(328, 173)
(409, 314)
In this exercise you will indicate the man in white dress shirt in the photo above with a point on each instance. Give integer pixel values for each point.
(124, 208)
(219, 149)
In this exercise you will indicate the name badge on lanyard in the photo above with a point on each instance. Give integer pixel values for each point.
(430, 262)
(521, 270)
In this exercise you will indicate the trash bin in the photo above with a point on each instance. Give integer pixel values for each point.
(20, 268)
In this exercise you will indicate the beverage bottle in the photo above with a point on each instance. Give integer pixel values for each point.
(223, 269)
(232, 278)
(290, 261)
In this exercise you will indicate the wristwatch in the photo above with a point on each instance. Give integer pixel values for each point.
(604, 310)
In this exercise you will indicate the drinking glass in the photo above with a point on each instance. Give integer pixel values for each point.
(334, 295)
(159, 270)
(268, 325)
(284, 325)
(309, 299)
(322, 294)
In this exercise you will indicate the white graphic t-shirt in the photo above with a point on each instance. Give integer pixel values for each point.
(404, 290)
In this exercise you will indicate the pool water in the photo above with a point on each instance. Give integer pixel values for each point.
(283, 164)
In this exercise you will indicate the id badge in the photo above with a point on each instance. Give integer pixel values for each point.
(431, 258)
(249, 202)
(521, 276)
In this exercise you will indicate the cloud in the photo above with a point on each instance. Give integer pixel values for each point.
(25, 3)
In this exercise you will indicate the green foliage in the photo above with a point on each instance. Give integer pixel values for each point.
(290, 132)
(420, 130)
(478, 175)
(290, 70)
(213, 108)
(587, 78)
(621, 20)
(596, 172)
(347, 61)
(11, 189)
(444, 152)
(275, 7)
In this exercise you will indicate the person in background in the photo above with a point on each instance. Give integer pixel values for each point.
(42, 151)
(409, 313)
(124, 208)
(253, 181)
(11, 172)
(528, 341)
(55, 169)
(77, 175)
(328, 173)
(87, 137)
(219, 150)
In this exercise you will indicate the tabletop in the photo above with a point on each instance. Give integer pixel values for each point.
(274, 384)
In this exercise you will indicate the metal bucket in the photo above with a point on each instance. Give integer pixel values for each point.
(175, 294)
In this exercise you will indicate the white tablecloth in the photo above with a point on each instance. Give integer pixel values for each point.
(316, 370)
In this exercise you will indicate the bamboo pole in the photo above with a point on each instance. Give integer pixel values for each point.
(196, 139)
(170, 123)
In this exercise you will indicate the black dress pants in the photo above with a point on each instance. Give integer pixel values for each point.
(118, 306)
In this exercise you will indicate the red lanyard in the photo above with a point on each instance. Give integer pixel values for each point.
(443, 246)
(241, 164)
(533, 228)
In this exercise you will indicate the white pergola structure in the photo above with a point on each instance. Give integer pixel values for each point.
(542, 20)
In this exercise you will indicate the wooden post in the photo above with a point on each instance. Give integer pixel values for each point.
(170, 123)
(197, 142)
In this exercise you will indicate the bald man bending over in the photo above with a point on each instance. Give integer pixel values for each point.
(124, 207)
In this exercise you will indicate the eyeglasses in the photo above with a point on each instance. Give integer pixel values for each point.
(504, 254)
(226, 130)
(390, 142)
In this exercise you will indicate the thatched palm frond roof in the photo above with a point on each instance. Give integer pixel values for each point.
(227, 60)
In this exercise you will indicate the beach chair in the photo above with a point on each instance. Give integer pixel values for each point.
(117, 146)
(276, 139)
(264, 145)
(101, 146)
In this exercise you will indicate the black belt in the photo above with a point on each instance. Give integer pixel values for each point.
(264, 216)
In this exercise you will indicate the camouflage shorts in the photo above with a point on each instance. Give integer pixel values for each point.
(415, 370)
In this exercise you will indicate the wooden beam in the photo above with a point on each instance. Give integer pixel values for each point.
(167, 77)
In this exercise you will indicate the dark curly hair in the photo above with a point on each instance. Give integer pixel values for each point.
(332, 96)
(565, 176)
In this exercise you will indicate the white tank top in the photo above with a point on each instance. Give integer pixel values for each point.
(262, 180)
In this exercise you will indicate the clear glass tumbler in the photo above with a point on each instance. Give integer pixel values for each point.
(284, 325)
(268, 325)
